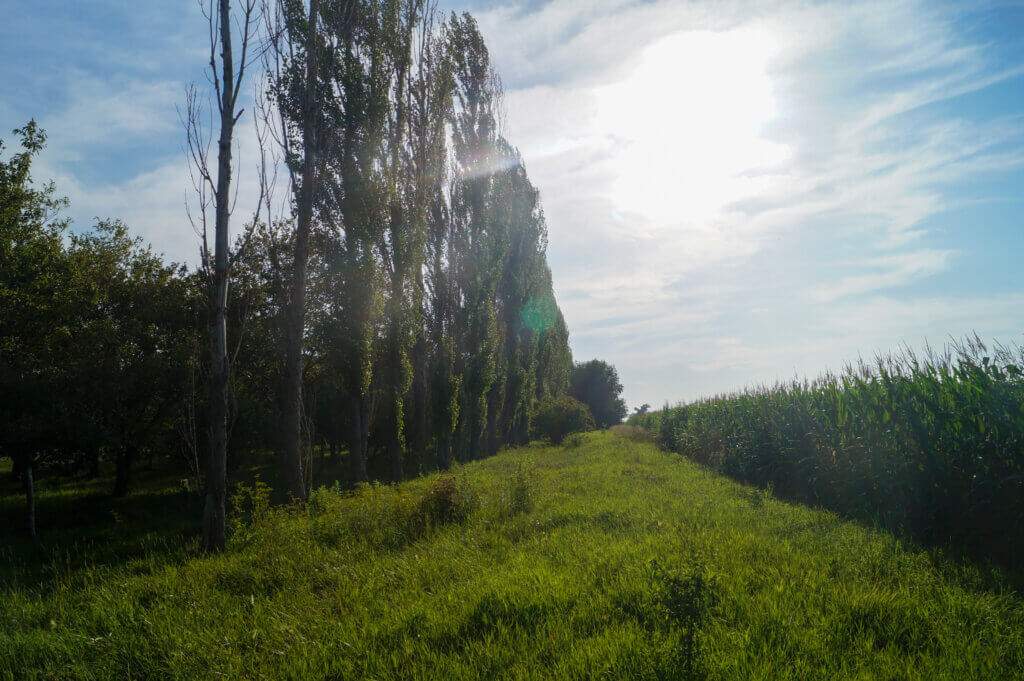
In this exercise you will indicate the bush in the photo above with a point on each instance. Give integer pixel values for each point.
(444, 501)
(560, 417)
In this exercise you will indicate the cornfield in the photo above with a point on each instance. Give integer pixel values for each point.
(930, 447)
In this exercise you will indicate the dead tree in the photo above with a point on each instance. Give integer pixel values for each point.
(226, 81)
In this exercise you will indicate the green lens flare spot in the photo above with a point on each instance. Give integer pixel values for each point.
(539, 314)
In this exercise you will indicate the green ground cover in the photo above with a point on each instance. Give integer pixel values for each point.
(604, 558)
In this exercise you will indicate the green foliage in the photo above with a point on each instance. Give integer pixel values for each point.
(559, 417)
(932, 448)
(637, 565)
(250, 506)
(446, 500)
(687, 603)
(596, 384)
(519, 497)
(97, 333)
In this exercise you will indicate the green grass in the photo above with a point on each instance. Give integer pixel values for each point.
(605, 559)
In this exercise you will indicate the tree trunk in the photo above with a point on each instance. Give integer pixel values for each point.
(444, 452)
(418, 422)
(493, 397)
(123, 477)
(291, 417)
(394, 411)
(93, 456)
(28, 480)
(216, 473)
(395, 452)
(357, 450)
(477, 428)
(18, 469)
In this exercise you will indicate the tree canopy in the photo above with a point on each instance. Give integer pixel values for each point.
(404, 292)
(596, 384)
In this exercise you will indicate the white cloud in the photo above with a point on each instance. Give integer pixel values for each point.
(778, 228)
(886, 272)
(804, 123)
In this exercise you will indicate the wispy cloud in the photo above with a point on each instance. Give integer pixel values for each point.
(792, 219)
(860, 154)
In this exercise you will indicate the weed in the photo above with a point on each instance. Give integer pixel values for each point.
(688, 602)
(447, 500)
(519, 496)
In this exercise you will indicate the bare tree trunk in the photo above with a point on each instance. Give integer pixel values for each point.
(216, 473)
(394, 451)
(291, 417)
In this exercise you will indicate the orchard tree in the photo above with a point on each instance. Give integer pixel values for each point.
(38, 305)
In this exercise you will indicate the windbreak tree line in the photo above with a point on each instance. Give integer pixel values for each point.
(929, 447)
(398, 312)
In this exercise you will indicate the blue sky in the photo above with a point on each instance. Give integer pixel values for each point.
(736, 192)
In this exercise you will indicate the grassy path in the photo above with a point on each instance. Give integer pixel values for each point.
(609, 559)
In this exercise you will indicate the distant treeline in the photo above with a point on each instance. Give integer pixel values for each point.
(931, 447)
(416, 307)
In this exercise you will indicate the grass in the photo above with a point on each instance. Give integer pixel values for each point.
(607, 559)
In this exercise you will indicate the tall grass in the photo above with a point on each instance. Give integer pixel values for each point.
(930, 446)
(623, 562)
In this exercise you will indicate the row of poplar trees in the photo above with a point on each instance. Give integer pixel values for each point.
(401, 307)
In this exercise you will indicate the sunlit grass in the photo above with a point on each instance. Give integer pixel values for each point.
(608, 559)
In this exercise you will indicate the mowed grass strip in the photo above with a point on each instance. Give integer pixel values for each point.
(607, 558)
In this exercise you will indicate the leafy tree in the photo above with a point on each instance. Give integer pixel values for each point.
(596, 384)
(135, 326)
(96, 334)
(296, 86)
(38, 307)
(558, 417)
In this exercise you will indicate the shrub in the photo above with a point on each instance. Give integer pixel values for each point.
(446, 501)
(560, 417)
(250, 505)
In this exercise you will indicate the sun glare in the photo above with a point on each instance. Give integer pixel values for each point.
(687, 124)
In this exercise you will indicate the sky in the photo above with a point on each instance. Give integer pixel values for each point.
(736, 192)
